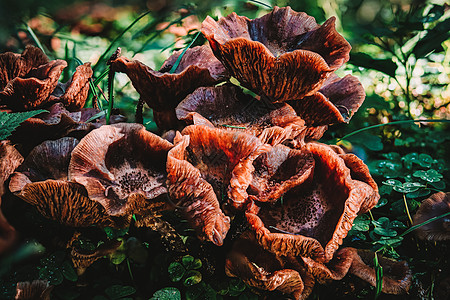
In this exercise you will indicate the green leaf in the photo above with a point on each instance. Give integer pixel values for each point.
(113, 233)
(361, 223)
(118, 256)
(408, 187)
(425, 160)
(387, 66)
(118, 291)
(370, 141)
(418, 194)
(236, 287)
(379, 276)
(397, 224)
(409, 159)
(381, 202)
(440, 185)
(168, 293)
(429, 175)
(389, 241)
(10, 121)
(393, 182)
(176, 271)
(190, 263)
(193, 277)
(433, 39)
(68, 271)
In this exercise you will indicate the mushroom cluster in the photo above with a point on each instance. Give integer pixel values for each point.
(249, 148)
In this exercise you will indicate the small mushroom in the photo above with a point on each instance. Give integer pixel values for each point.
(82, 258)
(293, 54)
(34, 290)
(262, 269)
(74, 92)
(436, 205)
(162, 90)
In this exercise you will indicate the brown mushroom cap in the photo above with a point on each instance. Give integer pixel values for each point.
(227, 106)
(123, 167)
(32, 90)
(336, 102)
(436, 205)
(397, 277)
(14, 65)
(162, 90)
(10, 159)
(262, 269)
(278, 171)
(55, 124)
(188, 189)
(323, 211)
(37, 289)
(42, 182)
(74, 92)
(82, 259)
(294, 54)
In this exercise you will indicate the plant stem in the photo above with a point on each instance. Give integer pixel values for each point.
(102, 57)
(407, 210)
(392, 123)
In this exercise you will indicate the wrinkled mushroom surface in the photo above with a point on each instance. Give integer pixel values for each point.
(30, 81)
(228, 107)
(278, 171)
(10, 159)
(336, 102)
(262, 269)
(42, 182)
(294, 54)
(436, 205)
(58, 122)
(296, 276)
(318, 214)
(74, 92)
(162, 90)
(123, 167)
(36, 289)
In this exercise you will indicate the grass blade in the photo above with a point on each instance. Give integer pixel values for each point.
(35, 39)
(177, 62)
(391, 123)
(102, 57)
(379, 276)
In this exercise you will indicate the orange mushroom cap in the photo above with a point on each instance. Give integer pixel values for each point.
(30, 81)
(294, 54)
(42, 182)
(123, 167)
(162, 90)
(318, 214)
(228, 107)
